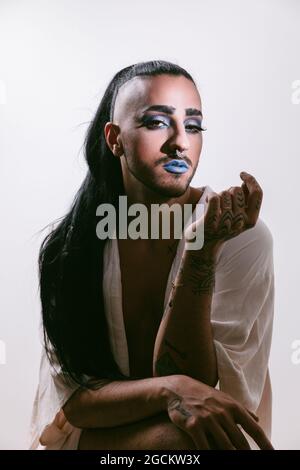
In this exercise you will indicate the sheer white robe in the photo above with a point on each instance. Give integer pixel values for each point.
(242, 319)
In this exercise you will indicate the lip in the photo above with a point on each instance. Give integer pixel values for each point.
(176, 166)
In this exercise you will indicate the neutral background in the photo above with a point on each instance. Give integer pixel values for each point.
(56, 60)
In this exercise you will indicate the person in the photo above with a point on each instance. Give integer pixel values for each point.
(147, 343)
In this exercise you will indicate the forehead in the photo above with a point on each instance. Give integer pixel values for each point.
(141, 92)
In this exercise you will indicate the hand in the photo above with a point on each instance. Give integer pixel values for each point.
(211, 417)
(230, 213)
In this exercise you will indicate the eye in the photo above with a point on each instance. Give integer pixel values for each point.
(196, 128)
(153, 121)
(154, 124)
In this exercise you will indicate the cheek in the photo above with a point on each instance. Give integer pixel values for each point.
(147, 137)
(198, 144)
(146, 144)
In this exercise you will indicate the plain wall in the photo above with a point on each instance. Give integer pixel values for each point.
(56, 59)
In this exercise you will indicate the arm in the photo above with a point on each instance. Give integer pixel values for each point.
(185, 342)
(119, 402)
(197, 409)
(188, 311)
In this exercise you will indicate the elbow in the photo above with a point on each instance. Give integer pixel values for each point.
(208, 379)
(73, 410)
(214, 382)
(213, 378)
(211, 381)
(72, 415)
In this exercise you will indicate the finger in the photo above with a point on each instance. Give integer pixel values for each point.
(199, 439)
(226, 203)
(238, 198)
(220, 437)
(254, 198)
(239, 221)
(212, 214)
(236, 436)
(253, 415)
(226, 213)
(254, 430)
(246, 193)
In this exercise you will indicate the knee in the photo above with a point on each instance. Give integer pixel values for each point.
(167, 436)
(155, 433)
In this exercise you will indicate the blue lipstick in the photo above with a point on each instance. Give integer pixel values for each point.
(176, 166)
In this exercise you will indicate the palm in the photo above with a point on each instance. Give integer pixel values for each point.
(229, 213)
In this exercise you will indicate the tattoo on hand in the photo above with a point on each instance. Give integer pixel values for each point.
(240, 198)
(258, 204)
(175, 404)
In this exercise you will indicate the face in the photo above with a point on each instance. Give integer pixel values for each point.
(145, 138)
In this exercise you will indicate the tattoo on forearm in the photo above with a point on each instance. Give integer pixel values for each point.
(169, 306)
(202, 279)
(181, 354)
(171, 297)
(165, 365)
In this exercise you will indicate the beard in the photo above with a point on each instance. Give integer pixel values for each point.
(173, 185)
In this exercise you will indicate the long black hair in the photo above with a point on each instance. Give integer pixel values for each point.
(71, 256)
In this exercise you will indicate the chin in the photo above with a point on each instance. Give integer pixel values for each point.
(166, 187)
(170, 190)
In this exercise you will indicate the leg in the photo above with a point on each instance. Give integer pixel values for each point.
(156, 432)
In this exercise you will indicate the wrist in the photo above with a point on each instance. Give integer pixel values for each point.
(207, 254)
(210, 249)
(171, 388)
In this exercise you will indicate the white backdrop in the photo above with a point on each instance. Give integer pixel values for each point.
(56, 59)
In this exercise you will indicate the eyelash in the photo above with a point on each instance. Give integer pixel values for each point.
(198, 128)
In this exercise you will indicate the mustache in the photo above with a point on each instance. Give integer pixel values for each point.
(174, 155)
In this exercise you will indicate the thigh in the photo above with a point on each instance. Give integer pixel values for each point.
(156, 432)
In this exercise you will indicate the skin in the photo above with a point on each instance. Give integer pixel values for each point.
(142, 151)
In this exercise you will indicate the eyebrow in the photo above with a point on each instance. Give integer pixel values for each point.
(170, 110)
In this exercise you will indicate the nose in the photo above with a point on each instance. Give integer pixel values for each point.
(179, 140)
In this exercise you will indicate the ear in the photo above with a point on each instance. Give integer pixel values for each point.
(113, 138)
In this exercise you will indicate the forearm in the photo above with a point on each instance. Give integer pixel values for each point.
(184, 343)
(120, 402)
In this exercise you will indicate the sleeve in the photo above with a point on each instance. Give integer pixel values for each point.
(242, 314)
(49, 427)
